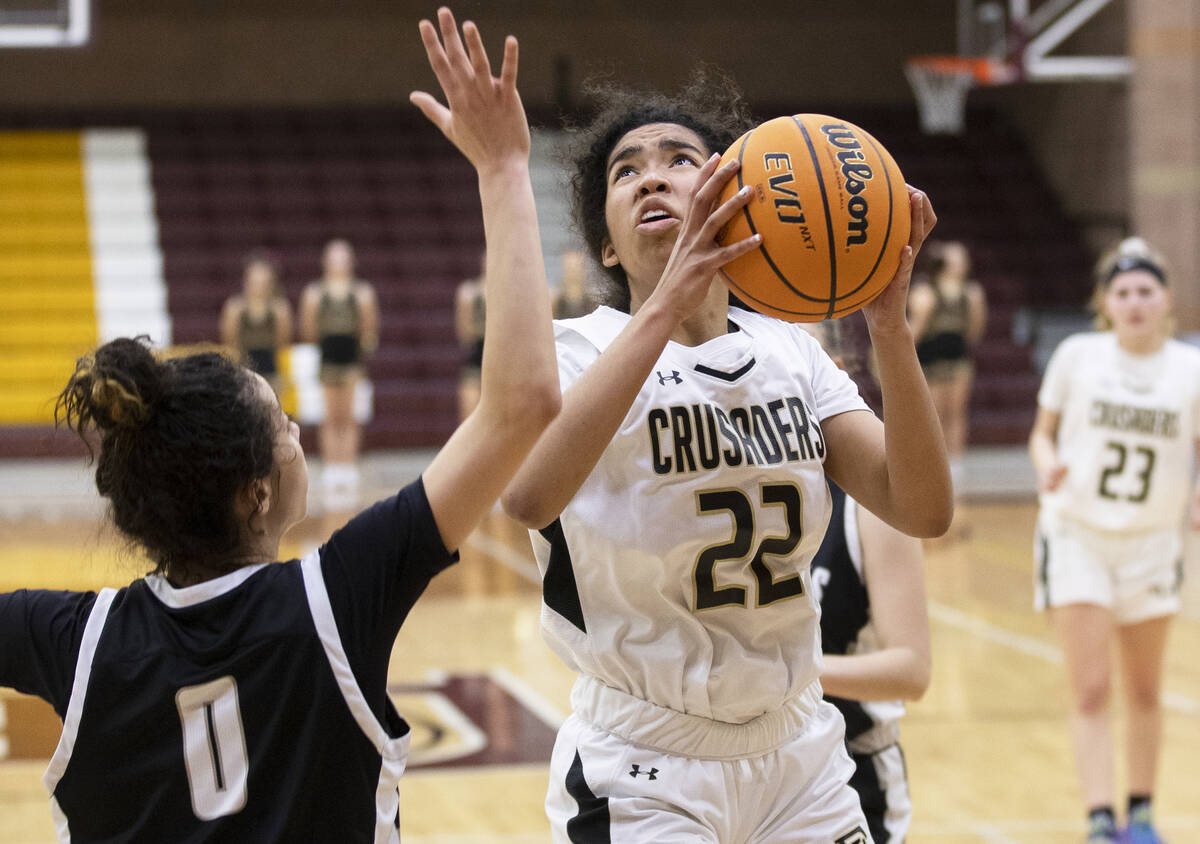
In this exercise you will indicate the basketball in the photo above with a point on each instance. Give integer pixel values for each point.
(833, 212)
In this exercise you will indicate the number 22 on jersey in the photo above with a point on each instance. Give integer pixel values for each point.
(737, 504)
(214, 747)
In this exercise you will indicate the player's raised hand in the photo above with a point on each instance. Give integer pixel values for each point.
(888, 309)
(483, 115)
(697, 255)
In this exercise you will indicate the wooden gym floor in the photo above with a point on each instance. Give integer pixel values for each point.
(988, 748)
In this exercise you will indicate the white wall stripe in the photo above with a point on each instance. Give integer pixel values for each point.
(131, 295)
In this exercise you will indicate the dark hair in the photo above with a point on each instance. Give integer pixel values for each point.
(178, 439)
(710, 105)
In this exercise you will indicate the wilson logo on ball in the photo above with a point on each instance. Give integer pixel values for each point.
(833, 212)
(855, 175)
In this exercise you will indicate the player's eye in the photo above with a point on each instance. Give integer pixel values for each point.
(683, 158)
(623, 171)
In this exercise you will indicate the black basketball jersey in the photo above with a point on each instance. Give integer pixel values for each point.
(248, 708)
(837, 578)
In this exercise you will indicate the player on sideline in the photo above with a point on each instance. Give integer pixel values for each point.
(679, 498)
(869, 580)
(227, 697)
(1117, 429)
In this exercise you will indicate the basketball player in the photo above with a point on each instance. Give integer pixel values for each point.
(1117, 427)
(681, 495)
(227, 697)
(948, 312)
(258, 321)
(869, 580)
(340, 313)
(470, 309)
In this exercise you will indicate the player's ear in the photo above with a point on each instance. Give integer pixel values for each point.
(256, 498)
(608, 255)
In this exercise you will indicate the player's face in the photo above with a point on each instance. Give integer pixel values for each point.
(259, 281)
(650, 176)
(339, 259)
(290, 478)
(1137, 304)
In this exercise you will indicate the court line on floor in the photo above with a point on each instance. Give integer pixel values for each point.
(1033, 647)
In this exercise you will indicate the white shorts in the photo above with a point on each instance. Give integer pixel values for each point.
(881, 780)
(1137, 576)
(606, 788)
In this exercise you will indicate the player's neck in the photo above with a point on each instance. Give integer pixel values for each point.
(1142, 345)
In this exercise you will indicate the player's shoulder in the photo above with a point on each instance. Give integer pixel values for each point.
(597, 329)
(1189, 353)
(1084, 343)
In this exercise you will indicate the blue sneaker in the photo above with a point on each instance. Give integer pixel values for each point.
(1140, 830)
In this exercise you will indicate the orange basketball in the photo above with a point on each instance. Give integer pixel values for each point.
(831, 206)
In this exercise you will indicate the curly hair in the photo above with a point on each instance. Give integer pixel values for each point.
(178, 439)
(710, 105)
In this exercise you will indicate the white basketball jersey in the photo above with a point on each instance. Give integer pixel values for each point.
(1127, 431)
(679, 572)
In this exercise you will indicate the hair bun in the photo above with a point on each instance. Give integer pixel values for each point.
(115, 387)
(113, 399)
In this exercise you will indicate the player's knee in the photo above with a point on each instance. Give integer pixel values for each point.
(1092, 698)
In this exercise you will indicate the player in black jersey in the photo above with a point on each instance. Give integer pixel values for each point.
(868, 578)
(227, 697)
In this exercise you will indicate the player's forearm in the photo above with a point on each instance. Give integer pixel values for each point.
(883, 675)
(920, 495)
(1042, 452)
(593, 409)
(519, 381)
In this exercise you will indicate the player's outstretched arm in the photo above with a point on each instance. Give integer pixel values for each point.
(894, 573)
(898, 469)
(519, 394)
(597, 402)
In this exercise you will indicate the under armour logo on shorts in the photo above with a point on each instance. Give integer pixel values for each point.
(673, 377)
(854, 836)
(638, 771)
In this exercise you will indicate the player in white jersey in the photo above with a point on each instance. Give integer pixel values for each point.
(1114, 442)
(230, 697)
(680, 500)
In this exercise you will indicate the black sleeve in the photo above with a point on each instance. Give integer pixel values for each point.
(40, 634)
(375, 568)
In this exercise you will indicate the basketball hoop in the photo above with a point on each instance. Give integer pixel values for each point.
(941, 84)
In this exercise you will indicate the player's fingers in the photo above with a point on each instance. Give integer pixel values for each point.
(508, 70)
(435, 53)
(452, 42)
(922, 216)
(736, 250)
(709, 183)
(727, 209)
(437, 113)
(476, 52)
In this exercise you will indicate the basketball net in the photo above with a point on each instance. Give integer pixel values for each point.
(941, 84)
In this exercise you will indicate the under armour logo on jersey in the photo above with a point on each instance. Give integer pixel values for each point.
(854, 836)
(637, 771)
(673, 377)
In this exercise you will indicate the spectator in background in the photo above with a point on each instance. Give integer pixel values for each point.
(469, 312)
(258, 321)
(1114, 445)
(571, 299)
(948, 314)
(339, 312)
